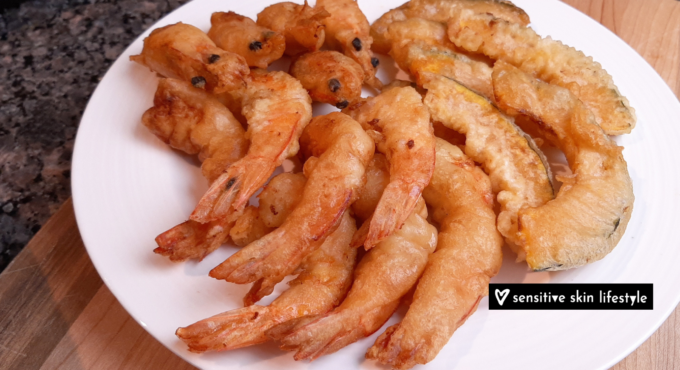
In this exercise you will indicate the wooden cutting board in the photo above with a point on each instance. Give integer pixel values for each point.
(56, 313)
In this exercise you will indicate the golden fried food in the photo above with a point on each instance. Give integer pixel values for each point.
(377, 178)
(518, 172)
(241, 35)
(325, 276)
(341, 152)
(193, 121)
(441, 11)
(300, 24)
(277, 108)
(400, 124)
(457, 275)
(184, 52)
(422, 47)
(549, 60)
(384, 275)
(277, 200)
(347, 30)
(329, 77)
(592, 209)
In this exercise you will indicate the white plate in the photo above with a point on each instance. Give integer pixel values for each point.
(128, 187)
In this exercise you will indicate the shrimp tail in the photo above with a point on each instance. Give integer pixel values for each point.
(230, 193)
(259, 290)
(192, 240)
(395, 206)
(242, 266)
(229, 330)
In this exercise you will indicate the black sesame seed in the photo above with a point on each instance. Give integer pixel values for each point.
(334, 84)
(410, 144)
(230, 183)
(198, 81)
(375, 62)
(213, 58)
(342, 105)
(255, 46)
(357, 44)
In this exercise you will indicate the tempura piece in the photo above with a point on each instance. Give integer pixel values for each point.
(184, 52)
(325, 276)
(377, 179)
(241, 35)
(400, 125)
(592, 209)
(329, 77)
(277, 200)
(440, 11)
(300, 24)
(347, 30)
(342, 151)
(384, 275)
(517, 169)
(193, 121)
(549, 60)
(277, 108)
(457, 275)
(421, 47)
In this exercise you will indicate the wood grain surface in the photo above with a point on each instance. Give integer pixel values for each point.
(55, 312)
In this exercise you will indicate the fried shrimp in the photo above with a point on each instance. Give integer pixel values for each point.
(325, 277)
(277, 108)
(441, 11)
(400, 124)
(457, 275)
(277, 200)
(241, 35)
(517, 169)
(549, 60)
(592, 209)
(384, 275)
(300, 24)
(193, 121)
(347, 30)
(329, 77)
(377, 178)
(421, 47)
(341, 152)
(184, 52)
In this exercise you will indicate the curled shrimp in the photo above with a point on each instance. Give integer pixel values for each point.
(325, 277)
(184, 52)
(193, 121)
(277, 200)
(400, 124)
(347, 30)
(277, 108)
(341, 152)
(241, 35)
(457, 275)
(384, 275)
(300, 24)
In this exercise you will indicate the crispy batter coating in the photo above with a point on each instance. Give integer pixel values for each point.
(193, 121)
(549, 60)
(280, 197)
(400, 124)
(241, 35)
(342, 151)
(325, 276)
(300, 24)
(347, 30)
(249, 227)
(184, 52)
(277, 108)
(377, 178)
(592, 209)
(518, 172)
(421, 47)
(441, 11)
(384, 275)
(457, 275)
(329, 77)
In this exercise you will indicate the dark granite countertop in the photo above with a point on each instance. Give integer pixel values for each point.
(52, 55)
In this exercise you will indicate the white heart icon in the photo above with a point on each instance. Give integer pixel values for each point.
(501, 295)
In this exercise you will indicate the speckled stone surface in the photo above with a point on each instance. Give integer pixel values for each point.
(52, 55)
